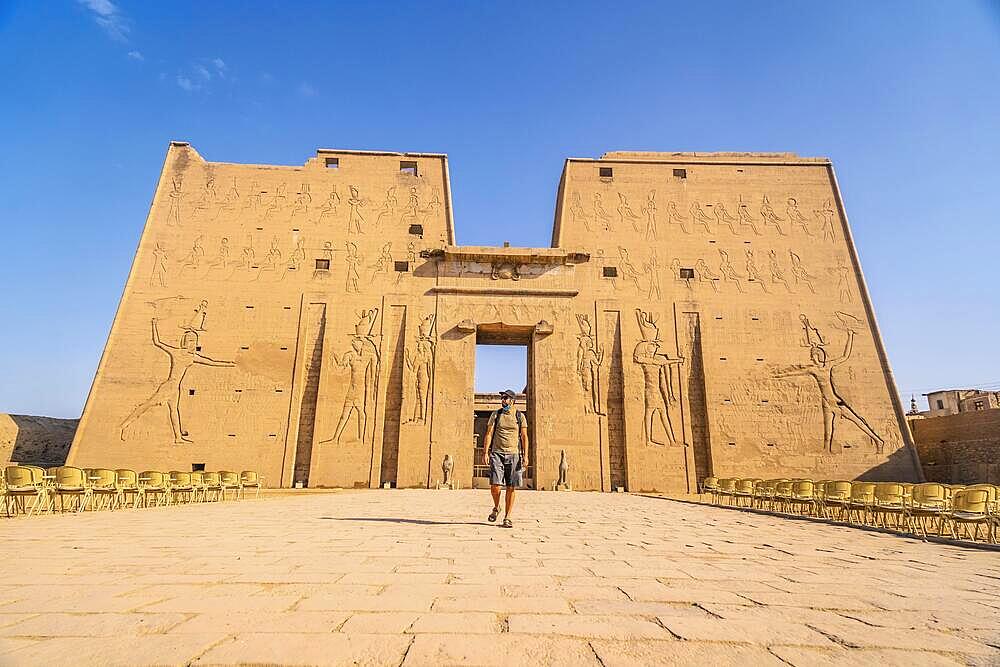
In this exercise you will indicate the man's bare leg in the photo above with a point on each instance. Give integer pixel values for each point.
(495, 492)
(508, 500)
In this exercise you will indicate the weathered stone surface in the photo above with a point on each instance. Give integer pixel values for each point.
(220, 612)
(697, 314)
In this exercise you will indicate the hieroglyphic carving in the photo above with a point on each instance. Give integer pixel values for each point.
(168, 393)
(297, 257)
(699, 217)
(199, 318)
(625, 212)
(255, 199)
(825, 213)
(658, 380)
(770, 217)
(589, 358)
(746, 217)
(175, 195)
(206, 200)
(192, 261)
(388, 209)
(777, 273)
(728, 272)
(649, 210)
(799, 272)
(271, 261)
(353, 260)
(363, 362)
(505, 271)
(159, 275)
(706, 274)
(600, 215)
(329, 207)
(820, 369)
(303, 199)
(356, 217)
(231, 203)
(652, 269)
(722, 215)
(844, 276)
(322, 272)
(753, 273)
(277, 201)
(384, 261)
(629, 271)
(795, 216)
(420, 362)
(221, 258)
(675, 217)
(578, 213)
(411, 210)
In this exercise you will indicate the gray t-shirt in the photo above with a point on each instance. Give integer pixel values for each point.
(506, 430)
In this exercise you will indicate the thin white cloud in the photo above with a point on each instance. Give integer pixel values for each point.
(107, 15)
(220, 66)
(136, 55)
(187, 84)
(202, 72)
(306, 90)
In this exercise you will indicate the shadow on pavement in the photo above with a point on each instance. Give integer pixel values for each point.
(420, 522)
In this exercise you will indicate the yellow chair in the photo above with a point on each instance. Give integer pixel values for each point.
(890, 500)
(155, 485)
(803, 496)
(763, 493)
(743, 493)
(128, 485)
(782, 495)
(970, 507)
(727, 489)
(213, 485)
(928, 502)
(104, 489)
(180, 486)
(862, 499)
(710, 485)
(249, 479)
(72, 482)
(198, 484)
(836, 496)
(230, 482)
(24, 482)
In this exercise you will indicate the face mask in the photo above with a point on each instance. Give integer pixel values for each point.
(505, 408)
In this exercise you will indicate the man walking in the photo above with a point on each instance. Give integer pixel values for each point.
(506, 453)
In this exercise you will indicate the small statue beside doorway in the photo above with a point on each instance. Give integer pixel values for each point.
(563, 483)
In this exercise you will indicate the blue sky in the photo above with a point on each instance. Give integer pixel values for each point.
(904, 96)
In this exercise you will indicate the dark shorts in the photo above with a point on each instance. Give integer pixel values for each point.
(505, 469)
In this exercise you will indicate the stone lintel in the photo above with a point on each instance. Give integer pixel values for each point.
(491, 255)
(500, 291)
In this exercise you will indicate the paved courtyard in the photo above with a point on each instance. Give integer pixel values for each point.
(420, 578)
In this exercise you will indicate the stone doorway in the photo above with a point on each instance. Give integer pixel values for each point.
(485, 402)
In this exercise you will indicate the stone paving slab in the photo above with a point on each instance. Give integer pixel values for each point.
(420, 578)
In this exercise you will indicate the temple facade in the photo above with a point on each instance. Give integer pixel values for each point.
(696, 314)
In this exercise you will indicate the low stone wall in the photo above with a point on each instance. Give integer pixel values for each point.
(43, 441)
(960, 449)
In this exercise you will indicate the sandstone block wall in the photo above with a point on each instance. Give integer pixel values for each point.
(962, 448)
(696, 314)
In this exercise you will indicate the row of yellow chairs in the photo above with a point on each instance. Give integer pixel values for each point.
(904, 507)
(33, 490)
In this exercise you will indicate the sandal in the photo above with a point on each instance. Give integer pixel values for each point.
(493, 514)
(506, 524)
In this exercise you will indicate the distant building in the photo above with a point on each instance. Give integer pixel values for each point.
(954, 401)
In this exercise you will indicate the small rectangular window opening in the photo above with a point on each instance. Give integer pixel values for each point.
(197, 348)
(732, 444)
(408, 167)
(606, 172)
(610, 272)
(244, 347)
(417, 230)
(190, 392)
(680, 173)
(322, 265)
(687, 274)
(197, 467)
(333, 163)
(401, 267)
